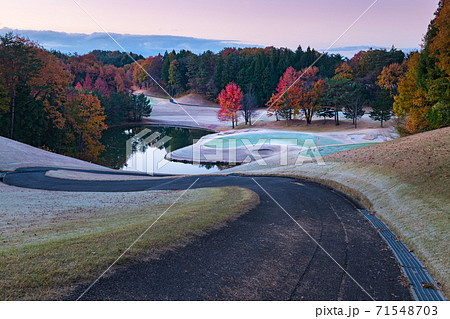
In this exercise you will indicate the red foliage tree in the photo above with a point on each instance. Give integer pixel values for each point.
(101, 87)
(87, 84)
(284, 102)
(298, 94)
(230, 103)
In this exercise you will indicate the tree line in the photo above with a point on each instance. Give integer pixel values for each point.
(301, 93)
(334, 84)
(414, 88)
(422, 94)
(256, 69)
(59, 102)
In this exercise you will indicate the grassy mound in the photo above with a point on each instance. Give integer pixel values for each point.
(421, 159)
(46, 260)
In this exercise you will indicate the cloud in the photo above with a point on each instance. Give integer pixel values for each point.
(350, 51)
(141, 44)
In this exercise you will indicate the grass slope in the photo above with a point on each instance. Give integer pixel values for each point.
(405, 182)
(45, 257)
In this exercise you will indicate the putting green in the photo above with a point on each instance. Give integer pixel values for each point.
(276, 138)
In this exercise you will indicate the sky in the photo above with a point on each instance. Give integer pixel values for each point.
(281, 23)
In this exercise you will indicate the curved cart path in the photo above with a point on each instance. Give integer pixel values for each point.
(263, 255)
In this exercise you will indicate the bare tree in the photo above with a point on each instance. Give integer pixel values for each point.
(248, 106)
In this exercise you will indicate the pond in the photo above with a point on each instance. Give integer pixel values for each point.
(147, 146)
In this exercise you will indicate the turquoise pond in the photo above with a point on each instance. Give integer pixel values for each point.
(285, 138)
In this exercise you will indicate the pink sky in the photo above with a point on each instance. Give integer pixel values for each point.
(285, 23)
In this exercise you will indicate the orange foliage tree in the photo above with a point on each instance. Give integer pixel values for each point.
(312, 90)
(297, 95)
(389, 77)
(87, 120)
(440, 45)
(50, 86)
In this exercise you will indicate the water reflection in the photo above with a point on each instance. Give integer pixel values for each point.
(148, 156)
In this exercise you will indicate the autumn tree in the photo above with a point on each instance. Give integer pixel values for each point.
(433, 73)
(345, 71)
(50, 86)
(86, 118)
(230, 103)
(423, 99)
(440, 43)
(284, 102)
(411, 102)
(310, 92)
(389, 77)
(151, 66)
(52, 100)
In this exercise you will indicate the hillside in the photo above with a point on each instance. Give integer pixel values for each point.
(14, 155)
(421, 159)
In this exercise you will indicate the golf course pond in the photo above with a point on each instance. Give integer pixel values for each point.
(146, 151)
(144, 148)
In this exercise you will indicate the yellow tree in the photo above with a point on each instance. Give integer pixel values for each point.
(389, 77)
(411, 102)
(345, 71)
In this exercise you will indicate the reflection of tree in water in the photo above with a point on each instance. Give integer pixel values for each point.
(181, 137)
(219, 166)
(115, 140)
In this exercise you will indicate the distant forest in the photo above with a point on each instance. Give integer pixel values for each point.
(64, 102)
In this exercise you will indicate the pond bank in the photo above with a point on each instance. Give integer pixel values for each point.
(283, 147)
